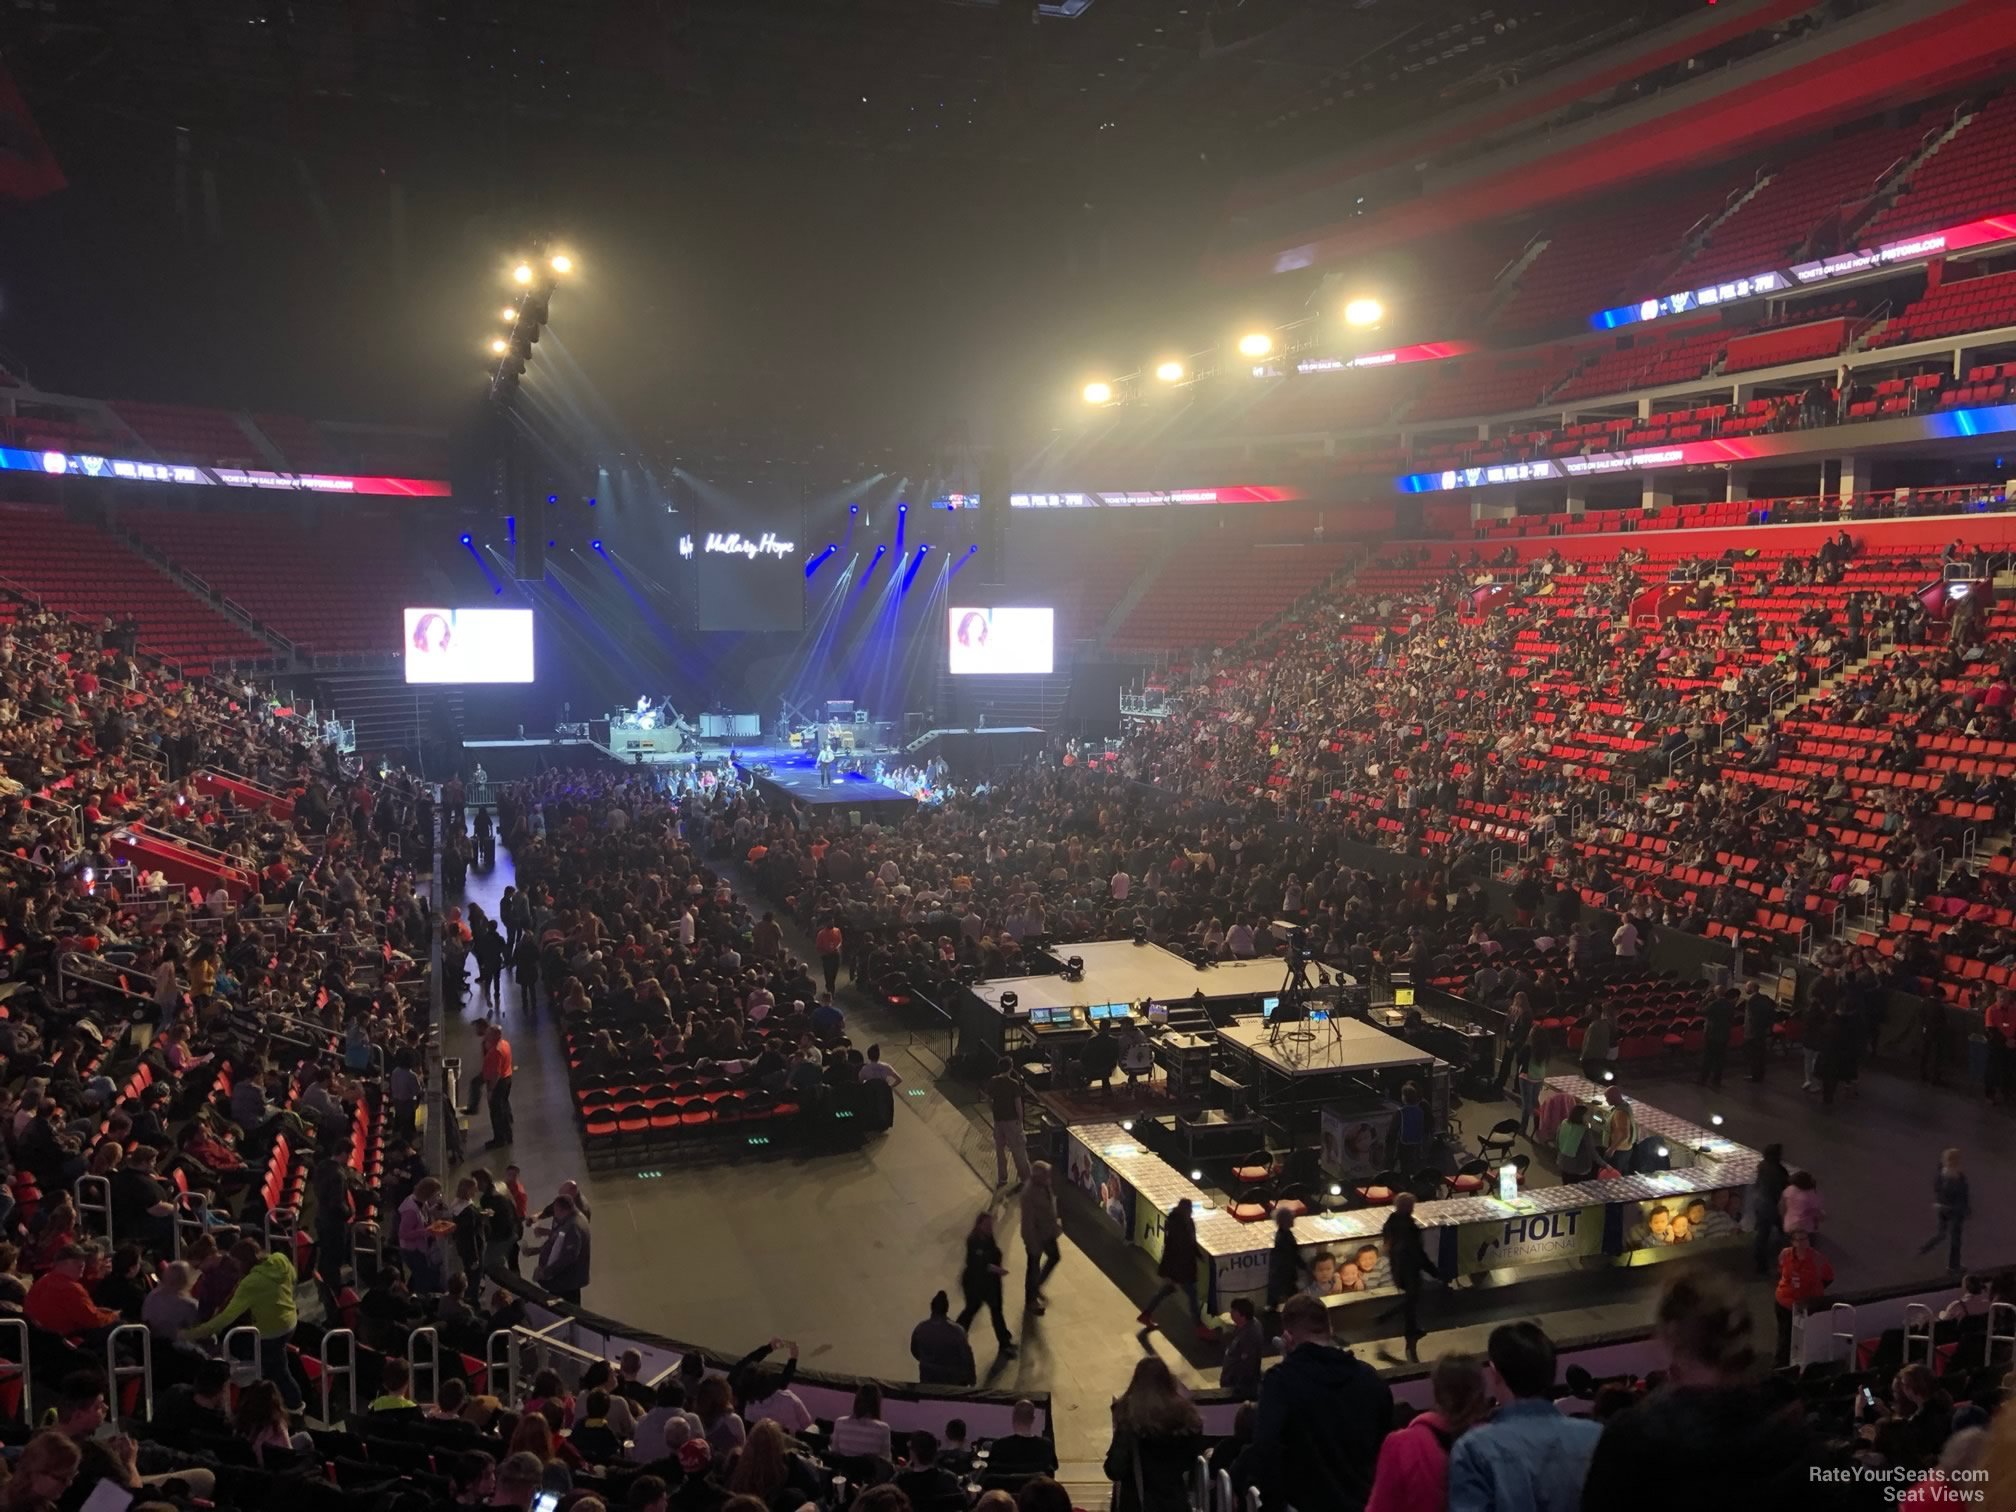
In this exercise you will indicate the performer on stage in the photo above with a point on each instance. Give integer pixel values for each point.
(825, 765)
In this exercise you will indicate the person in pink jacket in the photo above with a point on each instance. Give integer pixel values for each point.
(1800, 1206)
(1413, 1470)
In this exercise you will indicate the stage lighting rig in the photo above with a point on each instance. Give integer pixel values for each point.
(536, 276)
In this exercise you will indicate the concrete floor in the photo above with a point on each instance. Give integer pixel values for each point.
(843, 1251)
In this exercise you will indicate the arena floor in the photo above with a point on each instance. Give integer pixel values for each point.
(842, 1252)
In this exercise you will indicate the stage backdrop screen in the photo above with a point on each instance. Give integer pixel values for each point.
(468, 645)
(1000, 640)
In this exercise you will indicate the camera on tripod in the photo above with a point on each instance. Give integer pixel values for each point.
(1296, 937)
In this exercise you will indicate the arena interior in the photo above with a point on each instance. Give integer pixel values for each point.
(1008, 755)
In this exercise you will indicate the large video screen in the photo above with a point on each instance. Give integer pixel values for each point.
(1000, 640)
(468, 645)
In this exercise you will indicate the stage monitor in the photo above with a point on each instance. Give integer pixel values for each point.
(1000, 640)
(1267, 1007)
(468, 645)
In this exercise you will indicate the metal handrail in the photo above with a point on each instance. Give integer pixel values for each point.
(144, 1371)
(429, 1362)
(1919, 1327)
(24, 1366)
(192, 1216)
(98, 1205)
(507, 1365)
(331, 1368)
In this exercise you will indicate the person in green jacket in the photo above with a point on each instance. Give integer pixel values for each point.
(266, 1295)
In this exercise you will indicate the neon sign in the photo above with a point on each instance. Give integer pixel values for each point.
(734, 543)
(1152, 498)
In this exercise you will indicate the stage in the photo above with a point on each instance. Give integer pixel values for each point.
(1116, 971)
(792, 777)
(1311, 1048)
(1308, 1067)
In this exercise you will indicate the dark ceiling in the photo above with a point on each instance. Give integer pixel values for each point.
(804, 223)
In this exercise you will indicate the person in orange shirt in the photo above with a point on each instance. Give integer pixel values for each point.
(1803, 1276)
(497, 1079)
(59, 1302)
(828, 944)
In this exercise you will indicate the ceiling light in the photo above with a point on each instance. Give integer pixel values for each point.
(1098, 393)
(1170, 371)
(1255, 344)
(500, 346)
(561, 263)
(522, 273)
(1364, 312)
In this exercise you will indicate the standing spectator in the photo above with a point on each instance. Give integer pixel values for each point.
(1801, 1206)
(1004, 1093)
(1413, 1469)
(418, 1243)
(1178, 1269)
(943, 1353)
(1529, 1457)
(1041, 1228)
(1620, 1131)
(1803, 1277)
(1407, 1256)
(1718, 1023)
(1766, 1192)
(1284, 1261)
(1157, 1436)
(1760, 1017)
(497, 1080)
(828, 943)
(1951, 1204)
(980, 1281)
(266, 1297)
(563, 1263)
(1323, 1415)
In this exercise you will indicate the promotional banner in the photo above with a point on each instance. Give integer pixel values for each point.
(1152, 498)
(1670, 1227)
(1092, 1176)
(131, 470)
(1529, 1238)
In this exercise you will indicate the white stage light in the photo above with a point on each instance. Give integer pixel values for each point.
(1364, 312)
(1170, 371)
(1255, 344)
(1098, 393)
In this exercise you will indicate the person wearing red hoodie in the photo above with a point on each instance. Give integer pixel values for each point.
(1413, 1470)
(60, 1303)
(1803, 1275)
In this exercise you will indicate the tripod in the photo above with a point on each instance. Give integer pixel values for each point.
(1290, 1021)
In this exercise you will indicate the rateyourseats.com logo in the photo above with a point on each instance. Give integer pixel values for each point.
(1966, 1487)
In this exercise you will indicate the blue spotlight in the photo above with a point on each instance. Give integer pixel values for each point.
(819, 560)
(552, 498)
(466, 540)
(853, 509)
(591, 503)
(902, 509)
(595, 545)
(511, 530)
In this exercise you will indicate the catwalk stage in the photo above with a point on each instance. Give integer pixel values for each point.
(792, 777)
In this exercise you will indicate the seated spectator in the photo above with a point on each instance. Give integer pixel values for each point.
(395, 1379)
(601, 1375)
(59, 1303)
(43, 1475)
(472, 1479)
(123, 1287)
(171, 1308)
(922, 1478)
(767, 1470)
(648, 1440)
(1022, 1451)
(201, 1405)
(260, 1420)
(519, 1479)
(449, 1403)
(81, 1411)
(954, 1452)
(720, 1424)
(862, 1434)
(594, 1437)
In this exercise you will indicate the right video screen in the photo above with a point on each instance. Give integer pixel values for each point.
(1000, 639)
